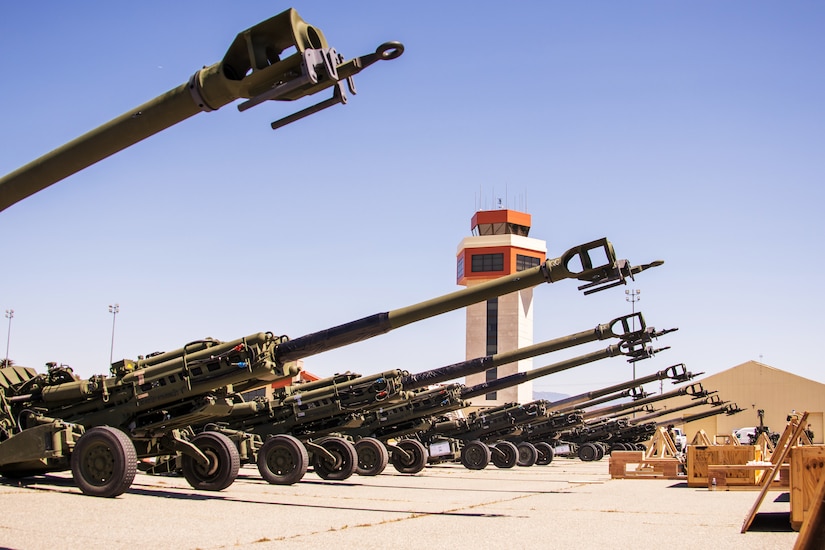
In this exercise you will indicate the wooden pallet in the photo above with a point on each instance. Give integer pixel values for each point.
(701, 457)
(726, 477)
(635, 465)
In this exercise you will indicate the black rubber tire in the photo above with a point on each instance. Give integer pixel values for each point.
(475, 455)
(224, 462)
(527, 454)
(508, 456)
(588, 452)
(601, 450)
(418, 457)
(546, 453)
(283, 460)
(104, 462)
(373, 456)
(346, 459)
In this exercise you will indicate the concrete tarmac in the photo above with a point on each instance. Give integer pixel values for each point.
(568, 504)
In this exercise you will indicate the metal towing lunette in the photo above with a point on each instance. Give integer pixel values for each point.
(280, 59)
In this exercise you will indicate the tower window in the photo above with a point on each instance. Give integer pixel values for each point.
(492, 327)
(526, 262)
(492, 341)
(488, 262)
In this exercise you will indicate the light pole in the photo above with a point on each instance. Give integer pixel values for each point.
(633, 295)
(113, 309)
(9, 316)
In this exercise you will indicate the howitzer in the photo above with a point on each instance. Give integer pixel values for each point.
(534, 440)
(320, 410)
(728, 409)
(619, 328)
(156, 398)
(712, 400)
(543, 434)
(259, 65)
(634, 352)
(476, 455)
(508, 419)
(629, 433)
(695, 391)
(676, 373)
(310, 412)
(338, 404)
(607, 427)
(567, 415)
(417, 417)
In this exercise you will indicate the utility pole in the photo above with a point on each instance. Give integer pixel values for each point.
(113, 309)
(9, 316)
(633, 296)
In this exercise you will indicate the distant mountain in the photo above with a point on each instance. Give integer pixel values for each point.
(549, 395)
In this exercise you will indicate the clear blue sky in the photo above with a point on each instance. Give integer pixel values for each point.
(692, 132)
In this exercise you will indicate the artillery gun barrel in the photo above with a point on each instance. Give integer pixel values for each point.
(251, 68)
(579, 263)
(678, 373)
(522, 377)
(617, 328)
(604, 399)
(728, 409)
(694, 390)
(712, 400)
(341, 395)
(407, 414)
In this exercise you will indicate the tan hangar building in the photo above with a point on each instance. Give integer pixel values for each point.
(754, 386)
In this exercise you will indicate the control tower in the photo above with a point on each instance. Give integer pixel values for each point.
(499, 246)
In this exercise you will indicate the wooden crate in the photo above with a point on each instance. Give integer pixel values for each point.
(700, 456)
(642, 467)
(721, 473)
(807, 465)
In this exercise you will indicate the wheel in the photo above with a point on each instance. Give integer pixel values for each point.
(527, 454)
(546, 453)
(104, 462)
(283, 460)
(372, 457)
(418, 457)
(475, 455)
(224, 462)
(508, 457)
(588, 452)
(345, 459)
(600, 450)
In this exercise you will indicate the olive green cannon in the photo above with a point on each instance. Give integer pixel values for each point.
(312, 415)
(101, 426)
(280, 59)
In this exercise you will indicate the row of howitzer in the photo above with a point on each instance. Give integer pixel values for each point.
(182, 410)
